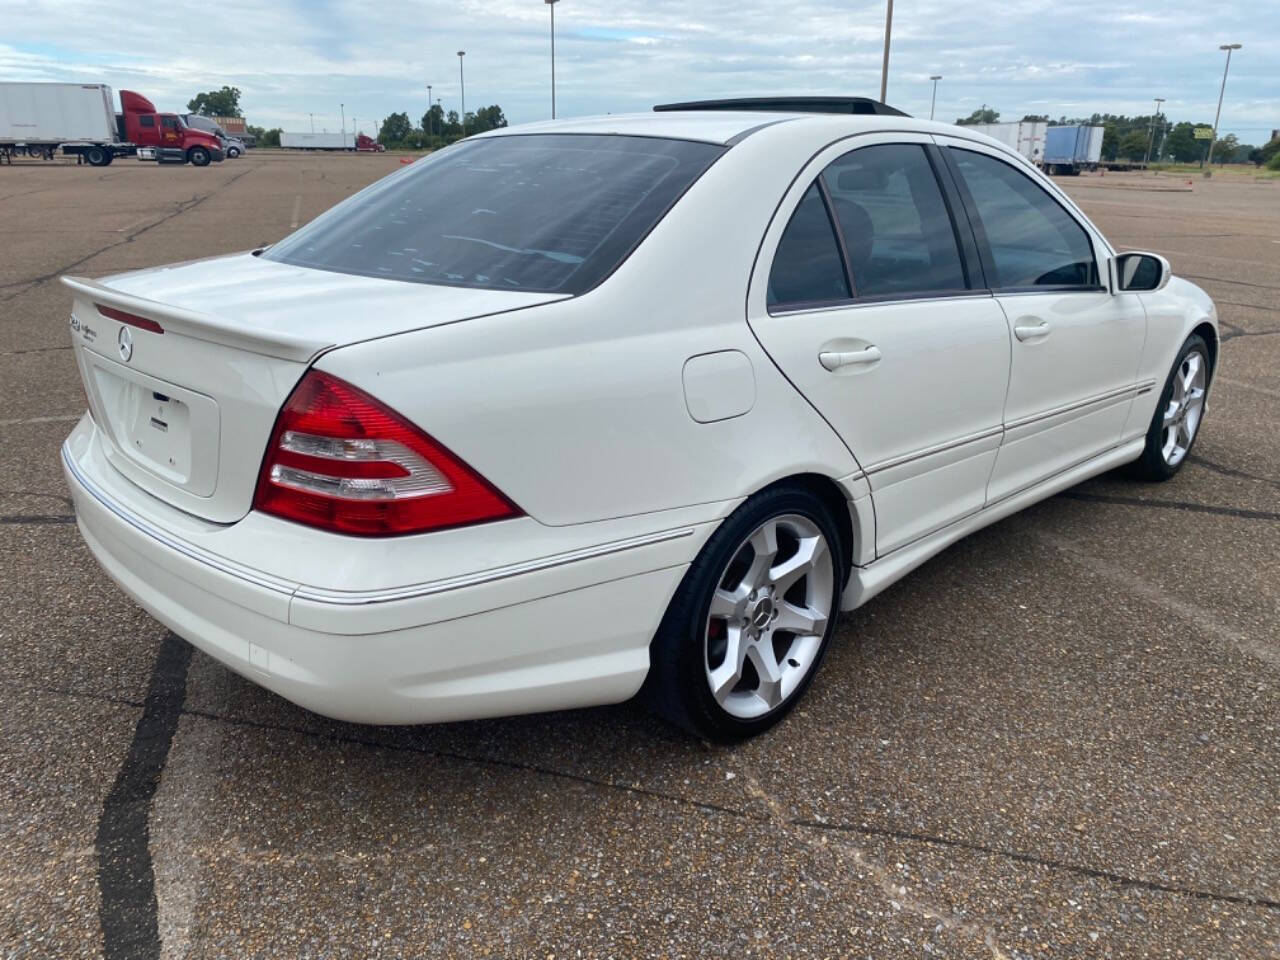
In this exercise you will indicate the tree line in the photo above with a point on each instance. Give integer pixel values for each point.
(397, 132)
(1128, 138)
(437, 128)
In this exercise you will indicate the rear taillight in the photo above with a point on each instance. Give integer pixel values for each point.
(341, 460)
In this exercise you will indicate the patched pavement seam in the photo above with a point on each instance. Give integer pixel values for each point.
(1240, 513)
(126, 877)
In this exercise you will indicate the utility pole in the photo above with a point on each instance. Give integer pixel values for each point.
(1218, 116)
(884, 68)
(343, 108)
(431, 122)
(934, 99)
(552, 5)
(313, 122)
(1151, 138)
(462, 83)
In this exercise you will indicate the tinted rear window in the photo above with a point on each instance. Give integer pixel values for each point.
(552, 213)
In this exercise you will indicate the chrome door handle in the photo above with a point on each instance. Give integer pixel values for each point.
(1030, 328)
(834, 360)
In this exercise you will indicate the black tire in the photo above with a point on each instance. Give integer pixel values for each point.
(97, 156)
(232, 153)
(677, 686)
(1152, 465)
(199, 156)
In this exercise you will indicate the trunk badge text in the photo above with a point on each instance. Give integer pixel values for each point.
(125, 341)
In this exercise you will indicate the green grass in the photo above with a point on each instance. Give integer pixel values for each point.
(1234, 170)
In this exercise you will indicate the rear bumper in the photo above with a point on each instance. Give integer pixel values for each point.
(551, 635)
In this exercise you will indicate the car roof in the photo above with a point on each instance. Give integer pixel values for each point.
(716, 126)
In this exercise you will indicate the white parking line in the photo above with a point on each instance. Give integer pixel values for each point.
(136, 223)
(297, 205)
(1204, 618)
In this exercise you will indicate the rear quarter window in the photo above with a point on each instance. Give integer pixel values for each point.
(550, 213)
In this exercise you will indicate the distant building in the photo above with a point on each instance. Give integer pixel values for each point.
(233, 125)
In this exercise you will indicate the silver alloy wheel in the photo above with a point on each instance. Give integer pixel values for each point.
(768, 616)
(1186, 408)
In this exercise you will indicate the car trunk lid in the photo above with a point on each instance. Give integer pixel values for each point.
(186, 367)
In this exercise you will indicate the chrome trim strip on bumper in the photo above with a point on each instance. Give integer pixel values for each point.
(222, 564)
(359, 598)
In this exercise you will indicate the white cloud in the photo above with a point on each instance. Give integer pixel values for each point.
(296, 57)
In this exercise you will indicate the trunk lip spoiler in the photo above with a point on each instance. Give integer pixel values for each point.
(201, 326)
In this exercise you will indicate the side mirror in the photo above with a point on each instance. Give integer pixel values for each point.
(1136, 272)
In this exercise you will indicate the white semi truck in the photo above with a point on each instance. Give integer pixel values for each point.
(80, 119)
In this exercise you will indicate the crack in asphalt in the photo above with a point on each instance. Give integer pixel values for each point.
(1240, 283)
(1240, 513)
(35, 519)
(1232, 471)
(707, 806)
(18, 353)
(165, 705)
(1240, 303)
(1111, 877)
(1233, 330)
(182, 207)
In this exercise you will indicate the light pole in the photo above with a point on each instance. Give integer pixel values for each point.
(431, 121)
(934, 99)
(343, 108)
(1151, 138)
(552, 5)
(1223, 89)
(462, 83)
(313, 122)
(884, 69)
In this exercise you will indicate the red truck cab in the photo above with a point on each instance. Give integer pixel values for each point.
(365, 144)
(165, 133)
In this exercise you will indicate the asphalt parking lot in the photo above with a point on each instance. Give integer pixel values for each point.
(1059, 738)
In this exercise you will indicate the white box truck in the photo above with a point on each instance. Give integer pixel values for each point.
(317, 141)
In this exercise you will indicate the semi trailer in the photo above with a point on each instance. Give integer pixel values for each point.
(79, 119)
(1071, 148)
(1025, 136)
(330, 141)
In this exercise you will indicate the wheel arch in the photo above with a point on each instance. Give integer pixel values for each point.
(1207, 332)
(842, 512)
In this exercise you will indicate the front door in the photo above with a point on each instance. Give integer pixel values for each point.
(863, 299)
(170, 132)
(1075, 347)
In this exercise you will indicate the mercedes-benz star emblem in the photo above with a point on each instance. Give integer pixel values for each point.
(125, 341)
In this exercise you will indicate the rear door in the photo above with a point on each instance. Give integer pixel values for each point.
(864, 299)
(1075, 347)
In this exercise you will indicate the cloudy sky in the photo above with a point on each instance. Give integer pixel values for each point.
(295, 57)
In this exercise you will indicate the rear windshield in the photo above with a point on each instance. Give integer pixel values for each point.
(551, 213)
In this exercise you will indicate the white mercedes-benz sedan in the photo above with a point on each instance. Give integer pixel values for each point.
(569, 410)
